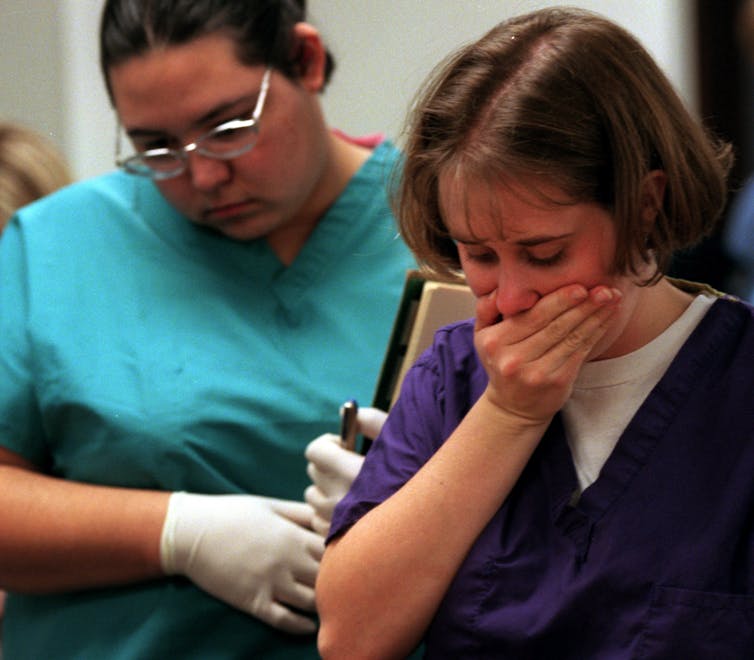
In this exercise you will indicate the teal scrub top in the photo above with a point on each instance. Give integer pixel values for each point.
(139, 350)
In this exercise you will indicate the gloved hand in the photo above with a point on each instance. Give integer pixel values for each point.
(257, 554)
(332, 468)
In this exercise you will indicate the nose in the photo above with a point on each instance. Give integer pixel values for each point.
(207, 173)
(515, 294)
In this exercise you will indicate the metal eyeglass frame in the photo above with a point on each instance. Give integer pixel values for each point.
(137, 163)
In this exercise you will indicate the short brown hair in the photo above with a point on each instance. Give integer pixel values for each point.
(565, 96)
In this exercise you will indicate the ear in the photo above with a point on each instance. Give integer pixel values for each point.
(310, 56)
(652, 196)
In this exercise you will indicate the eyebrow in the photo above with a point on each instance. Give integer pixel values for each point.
(539, 240)
(532, 241)
(209, 117)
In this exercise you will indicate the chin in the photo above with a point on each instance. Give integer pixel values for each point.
(241, 229)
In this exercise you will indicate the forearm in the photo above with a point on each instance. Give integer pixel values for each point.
(57, 535)
(381, 583)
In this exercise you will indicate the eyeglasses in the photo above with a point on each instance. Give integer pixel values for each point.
(225, 141)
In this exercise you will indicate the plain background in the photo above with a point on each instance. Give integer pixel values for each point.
(50, 80)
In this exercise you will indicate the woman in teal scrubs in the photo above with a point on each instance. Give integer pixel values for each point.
(172, 336)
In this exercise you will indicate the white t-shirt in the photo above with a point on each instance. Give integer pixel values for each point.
(607, 393)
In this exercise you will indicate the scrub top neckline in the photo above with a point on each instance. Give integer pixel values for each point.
(647, 428)
(256, 264)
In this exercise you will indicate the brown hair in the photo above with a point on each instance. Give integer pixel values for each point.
(566, 97)
(30, 167)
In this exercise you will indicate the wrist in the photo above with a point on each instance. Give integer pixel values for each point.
(509, 422)
(168, 542)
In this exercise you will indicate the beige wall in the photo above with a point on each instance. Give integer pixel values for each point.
(385, 49)
(31, 84)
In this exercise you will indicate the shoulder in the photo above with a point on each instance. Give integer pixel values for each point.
(87, 198)
(109, 184)
(452, 349)
(730, 309)
(87, 220)
(386, 151)
(447, 375)
(381, 163)
(99, 207)
(724, 339)
(365, 203)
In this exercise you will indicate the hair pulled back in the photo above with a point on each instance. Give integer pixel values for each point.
(261, 29)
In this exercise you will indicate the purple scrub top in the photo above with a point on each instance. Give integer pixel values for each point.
(656, 560)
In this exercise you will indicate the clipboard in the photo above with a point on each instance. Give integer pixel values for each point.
(426, 305)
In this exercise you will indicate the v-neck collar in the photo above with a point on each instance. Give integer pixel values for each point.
(338, 230)
(646, 429)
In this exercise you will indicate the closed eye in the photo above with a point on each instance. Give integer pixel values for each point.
(545, 261)
(484, 257)
(157, 143)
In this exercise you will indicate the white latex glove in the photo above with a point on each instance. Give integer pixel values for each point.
(332, 468)
(257, 554)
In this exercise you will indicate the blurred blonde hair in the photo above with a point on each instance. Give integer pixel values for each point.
(30, 167)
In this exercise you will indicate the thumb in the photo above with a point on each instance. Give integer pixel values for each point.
(371, 421)
(297, 512)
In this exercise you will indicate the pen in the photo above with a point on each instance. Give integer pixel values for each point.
(348, 413)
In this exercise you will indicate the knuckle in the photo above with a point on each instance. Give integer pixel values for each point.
(510, 366)
(536, 377)
(560, 327)
(575, 339)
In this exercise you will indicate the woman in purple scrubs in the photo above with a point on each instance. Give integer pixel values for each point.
(571, 473)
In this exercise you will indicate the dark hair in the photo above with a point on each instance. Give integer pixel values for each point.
(568, 98)
(261, 29)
